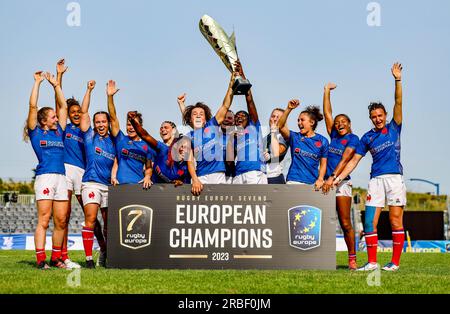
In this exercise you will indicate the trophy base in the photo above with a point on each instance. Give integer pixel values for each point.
(241, 86)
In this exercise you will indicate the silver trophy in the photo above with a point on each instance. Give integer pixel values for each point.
(225, 47)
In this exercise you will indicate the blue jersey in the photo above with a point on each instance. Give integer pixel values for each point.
(74, 153)
(337, 147)
(48, 146)
(249, 150)
(306, 153)
(100, 154)
(384, 146)
(165, 171)
(132, 157)
(207, 147)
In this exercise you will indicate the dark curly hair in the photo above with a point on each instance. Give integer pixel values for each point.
(72, 102)
(314, 114)
(188, 112)
(376, 105)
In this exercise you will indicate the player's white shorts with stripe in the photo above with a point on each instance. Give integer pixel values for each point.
(213, 178)
(74, 175)
(388, 186)
(51, 186)
(251, 177)
(344, 188)
(93, 192)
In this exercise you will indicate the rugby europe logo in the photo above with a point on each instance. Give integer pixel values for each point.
(135, 223)
(304, 227)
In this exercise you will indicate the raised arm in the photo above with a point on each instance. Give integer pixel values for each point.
(181, 100)
(328, 113)
(226, 104)
(251, 107)
(85, 122)
(141, 132)
(111, 90)
(397, 73)
(60, 70)
(61, 111)
(284, 131)
(32, 110)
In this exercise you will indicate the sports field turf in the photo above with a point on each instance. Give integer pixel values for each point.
(419, 273)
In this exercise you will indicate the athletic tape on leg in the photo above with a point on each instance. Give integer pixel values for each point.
(369, 217)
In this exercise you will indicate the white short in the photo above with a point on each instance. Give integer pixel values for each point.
(251, 177)
(229, 180)
(388, 186)
(93, 192)
(74, 175)
(344, 188)
(295, 182)
(213, 178)
(51, 186)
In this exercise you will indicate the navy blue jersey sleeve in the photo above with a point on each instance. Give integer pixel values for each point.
(334, 133)
(324, 148)
(395, 126)
(291, 138)
(353, 141)
(117, 139)
(212, 121)
(88, 136)
(363, 146)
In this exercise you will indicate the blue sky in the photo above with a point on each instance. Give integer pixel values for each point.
(154, 50)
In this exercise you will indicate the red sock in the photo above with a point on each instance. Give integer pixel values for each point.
(56, 253)
(64, 254)
(88, 241)
(398, 240)
(372, 244)
(40, 255)
(352, 257)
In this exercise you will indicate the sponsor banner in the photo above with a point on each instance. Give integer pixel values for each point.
(226, 227)
(340, 243)
(419, 246)
(12, 242)
(26, 242)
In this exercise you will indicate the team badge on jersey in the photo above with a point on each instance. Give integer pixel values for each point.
(305, 227)
(135, 223)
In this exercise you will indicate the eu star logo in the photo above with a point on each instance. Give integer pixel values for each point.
(304, 227)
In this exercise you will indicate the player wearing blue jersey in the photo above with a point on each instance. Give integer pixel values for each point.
(226, 127)
(341, 150)
(309, 150)
(45, 130)
(169, 161)
(74, 164)
(246, 144)
(386, 176)
(134, 157)
(208, 166)
(100, 156)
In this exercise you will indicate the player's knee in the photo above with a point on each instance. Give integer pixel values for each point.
(369, 219)
(347, 226)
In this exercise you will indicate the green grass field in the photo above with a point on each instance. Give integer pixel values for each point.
(419, 273)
